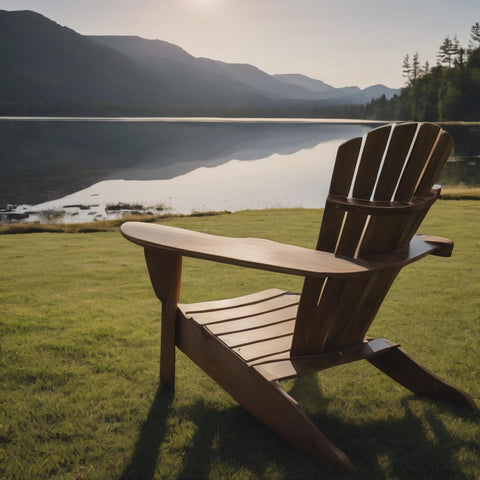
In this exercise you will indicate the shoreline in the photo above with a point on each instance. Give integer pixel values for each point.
(457, 193)
(345, 121)
(216, 119)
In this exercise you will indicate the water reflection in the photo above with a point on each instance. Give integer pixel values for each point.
(184, 166)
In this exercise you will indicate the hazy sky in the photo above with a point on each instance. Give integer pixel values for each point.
(342, 42)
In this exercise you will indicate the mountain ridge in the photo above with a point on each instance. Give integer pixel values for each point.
(46, 63)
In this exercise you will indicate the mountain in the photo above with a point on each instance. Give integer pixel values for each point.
(376, 91)
(158, 55)
(43, 63)
(163, 57)
(355, 94)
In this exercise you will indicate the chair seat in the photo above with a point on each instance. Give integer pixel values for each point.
(257, 327)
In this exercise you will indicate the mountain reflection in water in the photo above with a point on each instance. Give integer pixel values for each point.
(184, 166)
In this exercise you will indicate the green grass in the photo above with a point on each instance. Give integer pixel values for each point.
(461, 192)
(79, 395)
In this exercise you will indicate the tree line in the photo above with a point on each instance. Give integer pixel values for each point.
(450, 90)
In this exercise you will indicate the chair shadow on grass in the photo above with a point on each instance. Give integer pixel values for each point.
(232, 440)
(143, 462)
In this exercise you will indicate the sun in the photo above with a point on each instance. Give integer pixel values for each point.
(205, 3)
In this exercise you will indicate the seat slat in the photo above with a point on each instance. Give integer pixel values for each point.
(260, 334)
(231, 302)
(264, 349)
(261, 320)
(270, 305)
(292, 368)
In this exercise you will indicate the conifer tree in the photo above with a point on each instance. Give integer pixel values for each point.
(415, 66)
(406, 68)
(475, 36)
(445, 53)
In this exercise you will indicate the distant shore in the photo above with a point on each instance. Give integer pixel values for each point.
(195, 119)
(448, 193)
(345, 121)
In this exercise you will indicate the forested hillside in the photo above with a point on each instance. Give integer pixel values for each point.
(448, 91)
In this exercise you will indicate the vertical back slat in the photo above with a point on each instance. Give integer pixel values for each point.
(439, 157)
(334, 302)
(336, 313)
(373, 293)
(426, 138)
(344, 169)
(398, 148)
(372, 155)
(345, 163)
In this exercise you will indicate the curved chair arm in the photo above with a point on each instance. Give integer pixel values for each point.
(266, 254)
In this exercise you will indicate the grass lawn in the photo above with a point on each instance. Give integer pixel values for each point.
(79, 333)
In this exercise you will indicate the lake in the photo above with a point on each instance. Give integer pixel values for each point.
(73, 170)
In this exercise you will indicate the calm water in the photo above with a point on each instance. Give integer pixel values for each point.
(84, 167)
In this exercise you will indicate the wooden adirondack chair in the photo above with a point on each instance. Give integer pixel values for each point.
(382, 188)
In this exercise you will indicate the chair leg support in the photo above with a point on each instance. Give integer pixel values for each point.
(165, 271)
(263, 399)
(399, 366)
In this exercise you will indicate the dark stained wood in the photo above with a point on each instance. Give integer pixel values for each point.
(382, 208)
(204, 318)
(255, 321)
(439, 157)
(397, 152)
(373, 293)
(263, 399)
(264, 348)
(381, 190)
(247, 252)
(259, 334)
(165, 274)
(280, 258)
(404, 370)
(445, 245)
(372, 155)
(419, 157)
(283, 369)
(344, 168)
(235, 302)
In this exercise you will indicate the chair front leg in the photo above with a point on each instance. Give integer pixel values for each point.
(399, 366)
(165, 271)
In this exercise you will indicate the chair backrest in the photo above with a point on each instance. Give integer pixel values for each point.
(381, 190)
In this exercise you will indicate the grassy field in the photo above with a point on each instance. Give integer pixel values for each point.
(79, 394)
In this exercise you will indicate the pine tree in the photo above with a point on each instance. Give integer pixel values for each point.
(415, 66)
(444, 56)
(475, 36)
(406, 68)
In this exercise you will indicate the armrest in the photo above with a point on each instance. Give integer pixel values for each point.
(266, 254)
(444, 245)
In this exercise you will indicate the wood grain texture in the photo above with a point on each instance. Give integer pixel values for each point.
(262, 398)
(165, 274)
(382, 187)
(404, 370)
(262, 254)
